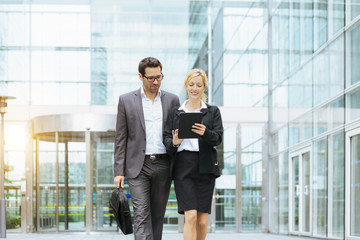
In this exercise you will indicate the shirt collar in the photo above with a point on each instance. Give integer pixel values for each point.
(143, 92)
(183, 107)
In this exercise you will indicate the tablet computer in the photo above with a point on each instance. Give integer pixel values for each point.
(186, 122)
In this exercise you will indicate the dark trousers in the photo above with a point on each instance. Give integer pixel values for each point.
(149, 196)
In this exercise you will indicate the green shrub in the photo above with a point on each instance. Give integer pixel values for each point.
(12, 221)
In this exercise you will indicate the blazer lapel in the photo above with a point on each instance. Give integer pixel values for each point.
(164, 107)
(204, 111)
(139, 107)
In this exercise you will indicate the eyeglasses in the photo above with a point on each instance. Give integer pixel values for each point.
(152, 79)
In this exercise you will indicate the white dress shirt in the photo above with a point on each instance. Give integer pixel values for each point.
(190, 144)
(153, 115)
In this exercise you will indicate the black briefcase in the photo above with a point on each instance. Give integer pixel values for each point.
(121, 209)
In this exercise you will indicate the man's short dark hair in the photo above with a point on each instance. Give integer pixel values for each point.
(149, 62)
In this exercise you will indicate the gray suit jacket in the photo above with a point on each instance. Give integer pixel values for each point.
(130, 136)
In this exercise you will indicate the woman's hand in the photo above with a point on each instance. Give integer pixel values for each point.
(199, 128)
(176, 140)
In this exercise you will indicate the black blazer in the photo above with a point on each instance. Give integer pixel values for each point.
(212, 137)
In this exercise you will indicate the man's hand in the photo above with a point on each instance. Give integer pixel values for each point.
(176, 140)
(119, 181)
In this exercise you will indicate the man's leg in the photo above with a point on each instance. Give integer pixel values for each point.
(140, 188)
(159, 195)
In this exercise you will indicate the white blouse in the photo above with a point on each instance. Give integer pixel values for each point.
(190, 144)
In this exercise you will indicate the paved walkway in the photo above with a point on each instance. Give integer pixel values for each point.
(166, 236)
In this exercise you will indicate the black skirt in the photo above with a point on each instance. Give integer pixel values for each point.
(194, 191)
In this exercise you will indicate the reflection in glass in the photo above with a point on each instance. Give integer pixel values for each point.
(281, 41)
(280, 139)
(319, 188)
(274, 192)
(354, 48)
(251, 177)
(296, 193)
(300, 92)
(72, 177)
(338, 13)
(225, 197)
(47, 183)
(103, 182)
(294, 34)
(355, 8)
(355, 186)
(14, 172)
(329, 74)
(329, 116)
(283, 193)
(280, 110)
(306, 191)
(354, 105)
(336, 185)
(320, 23)
(306, 31)
(301, 129)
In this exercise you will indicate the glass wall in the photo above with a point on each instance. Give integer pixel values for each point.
(314, 98)
(72, 181)
(283, 193)
(46, 183)
(336, 188)
(355, 186)
(319, 188)
(251, 177)
(14, 158)
(225, 190)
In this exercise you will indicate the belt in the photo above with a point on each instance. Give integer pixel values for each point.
(156, 156)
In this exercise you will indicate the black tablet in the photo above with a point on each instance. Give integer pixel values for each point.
(186, 122)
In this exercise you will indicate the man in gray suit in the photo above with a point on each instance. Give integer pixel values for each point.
(140, 154)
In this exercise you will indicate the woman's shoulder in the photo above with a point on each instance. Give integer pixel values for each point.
(212, 107)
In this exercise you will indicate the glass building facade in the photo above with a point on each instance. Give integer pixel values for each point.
(285, 75)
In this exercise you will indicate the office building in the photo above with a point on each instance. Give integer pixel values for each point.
(285, 74)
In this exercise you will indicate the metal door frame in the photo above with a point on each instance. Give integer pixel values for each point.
(299, 152)
(349, 135)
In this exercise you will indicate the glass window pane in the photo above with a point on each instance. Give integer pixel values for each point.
(353, 107)
(355, 8)
(329, 73)
(284, 193)
(14, 160)
(301, 129)
(355, 186)
(320, 23)
(251, 177)
(354, 54)
(294, 34)
(336, 185)
(329, 116)
(72, 197)
(47, 182)
(306, 191)
(296, 193)
(306, 32)
(226, 185)
(300, 92)
(338, 13)
(319, 188)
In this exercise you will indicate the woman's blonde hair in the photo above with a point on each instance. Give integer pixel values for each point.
(195, 73)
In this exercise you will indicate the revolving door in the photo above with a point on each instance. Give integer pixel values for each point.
(73, 173)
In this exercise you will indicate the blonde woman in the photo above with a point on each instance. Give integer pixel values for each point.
(194, 165)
